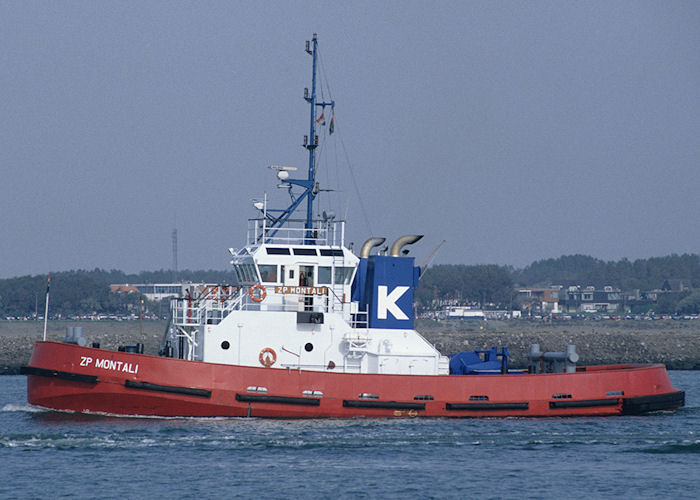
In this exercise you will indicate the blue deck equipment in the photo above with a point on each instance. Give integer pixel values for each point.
(480, 362)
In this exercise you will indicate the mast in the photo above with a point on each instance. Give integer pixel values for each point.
(310, 144)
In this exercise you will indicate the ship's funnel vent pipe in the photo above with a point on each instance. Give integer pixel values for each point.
(409, 239)
(368, 245)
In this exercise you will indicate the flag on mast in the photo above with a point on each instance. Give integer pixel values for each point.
(321, 120)
(331, 127)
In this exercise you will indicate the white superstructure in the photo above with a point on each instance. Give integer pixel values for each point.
(291, 309)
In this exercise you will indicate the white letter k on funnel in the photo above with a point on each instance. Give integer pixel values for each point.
(388, 302)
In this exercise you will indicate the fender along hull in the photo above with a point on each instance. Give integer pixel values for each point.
(81, 379)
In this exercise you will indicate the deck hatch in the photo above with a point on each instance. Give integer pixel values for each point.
(282, 400)
(190, 391)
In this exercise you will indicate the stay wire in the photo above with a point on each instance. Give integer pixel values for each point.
(322, 150)
(357, 189)
(324, 77)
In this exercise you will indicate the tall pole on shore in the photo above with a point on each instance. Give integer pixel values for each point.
(46, 309)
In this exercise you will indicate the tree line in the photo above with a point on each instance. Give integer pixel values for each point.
(87, 292)
(495, 286)
(642, 274)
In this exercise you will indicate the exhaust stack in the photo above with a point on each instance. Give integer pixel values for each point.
(368, 245)
(409, 239)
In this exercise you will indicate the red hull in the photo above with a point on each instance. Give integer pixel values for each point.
(69, 377)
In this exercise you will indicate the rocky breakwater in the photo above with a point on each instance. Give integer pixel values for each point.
(17, 338)
(674, 343)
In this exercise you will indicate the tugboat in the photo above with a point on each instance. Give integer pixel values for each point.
(309, 330)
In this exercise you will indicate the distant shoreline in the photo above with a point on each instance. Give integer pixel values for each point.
(674, 343)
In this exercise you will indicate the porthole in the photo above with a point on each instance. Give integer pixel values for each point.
(225, 345)
(309, 347)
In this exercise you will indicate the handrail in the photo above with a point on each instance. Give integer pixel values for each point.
(194, 312)
(324, 232)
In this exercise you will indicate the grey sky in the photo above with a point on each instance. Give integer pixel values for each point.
(514, 130)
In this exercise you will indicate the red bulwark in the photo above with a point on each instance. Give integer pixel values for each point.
(69, 377)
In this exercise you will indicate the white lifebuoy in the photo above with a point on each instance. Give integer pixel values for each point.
(267, 361)
(254, 297)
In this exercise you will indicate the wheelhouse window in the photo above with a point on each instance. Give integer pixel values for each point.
(268, 273)
(304, 251)
(324, 275)
(343, 275)
(277, 251)
(237, 274)
(331, 252)
(246, 273)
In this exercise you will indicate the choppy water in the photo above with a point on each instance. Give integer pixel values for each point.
(53, 455)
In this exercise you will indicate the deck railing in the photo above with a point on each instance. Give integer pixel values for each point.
(212, 309)
(328, 232)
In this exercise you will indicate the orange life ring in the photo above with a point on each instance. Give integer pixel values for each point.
(267, 361)
(263, 293)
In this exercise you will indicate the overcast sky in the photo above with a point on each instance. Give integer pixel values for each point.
(516, 131)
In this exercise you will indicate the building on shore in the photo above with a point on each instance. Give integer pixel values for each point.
(540, 300)
(589, 299)
(161, 291)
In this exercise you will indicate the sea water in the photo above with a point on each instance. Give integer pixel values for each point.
(46, 454)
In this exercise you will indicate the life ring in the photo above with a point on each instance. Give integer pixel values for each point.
(263, 293)
(267, 361)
